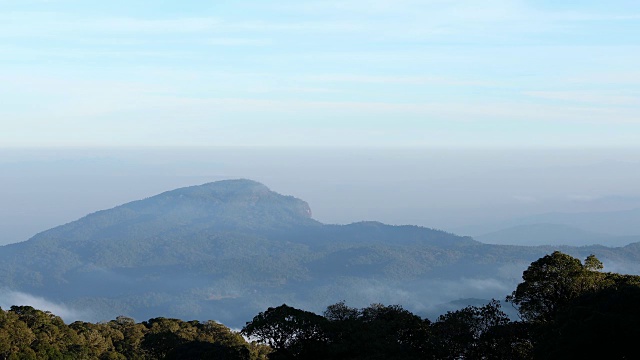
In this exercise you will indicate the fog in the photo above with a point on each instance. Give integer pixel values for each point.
(444, 188)
(10, 298)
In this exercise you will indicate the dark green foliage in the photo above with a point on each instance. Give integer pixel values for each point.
(469, 332)
(592, 263)
(549, 283)
(601, 324)
(28, 333)
(391, 332)
(378, 331)
(197, 350)
(510, 341)
(483, 332)
(15, 336)
(552, 282)
(290, 332)
(575, 311)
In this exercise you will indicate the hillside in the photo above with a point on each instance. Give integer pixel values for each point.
(228, 249)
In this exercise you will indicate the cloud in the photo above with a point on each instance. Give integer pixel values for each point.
(493, 20)
(229, 41)
(589, 97)
(10, 298)
(53, 24)
(608, 78)
(424, 296)
(403, 80)
(48, 24)
(371, 21)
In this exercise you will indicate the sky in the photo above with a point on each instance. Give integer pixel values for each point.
(375, 73)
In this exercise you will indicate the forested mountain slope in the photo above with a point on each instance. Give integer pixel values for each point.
(228, 249)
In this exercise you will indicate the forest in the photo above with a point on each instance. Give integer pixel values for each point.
(568, 309)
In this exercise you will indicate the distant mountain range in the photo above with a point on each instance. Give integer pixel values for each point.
(609, 228)
(550, 234)
(229, 249)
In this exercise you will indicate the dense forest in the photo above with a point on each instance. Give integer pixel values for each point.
(567, 309)
(28, 333)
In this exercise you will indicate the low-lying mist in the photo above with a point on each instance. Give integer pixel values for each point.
(69, 314)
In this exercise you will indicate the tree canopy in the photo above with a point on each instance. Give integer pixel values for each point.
(29, 333)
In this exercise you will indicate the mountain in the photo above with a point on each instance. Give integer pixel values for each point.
(229, 249)
(612, 223)
(550, 234)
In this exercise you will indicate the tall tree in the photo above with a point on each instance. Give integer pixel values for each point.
(291, 332)
(464, 333)
(549, 283)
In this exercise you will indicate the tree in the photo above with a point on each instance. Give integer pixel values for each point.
(28, 333)
(127, 336)
(376, 332)
(291, 332)
(15, 336)
(510, 341)
(548, 284)
(574, 310)
(95, 338)
(53, 338)
(592, 263)
(464, 333)
(393, 332)
(604, 324)
(340, 312)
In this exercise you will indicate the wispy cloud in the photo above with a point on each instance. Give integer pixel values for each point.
(589, 97)
(10, 298)
(51, 23)
(403, 80)
(600, 77)
(16, 24)
(231, 41)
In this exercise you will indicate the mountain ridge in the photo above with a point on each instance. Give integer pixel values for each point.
(195, 203)
(550, 234)
(614, 223)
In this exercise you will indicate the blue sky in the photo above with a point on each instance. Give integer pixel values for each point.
(494, 73)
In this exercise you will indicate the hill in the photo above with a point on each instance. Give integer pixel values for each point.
(229, 249)
(550, 234)
(619, 223)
